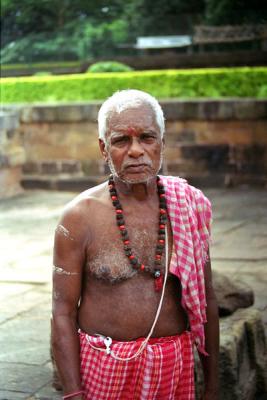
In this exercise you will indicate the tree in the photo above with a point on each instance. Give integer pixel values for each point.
(235, 12)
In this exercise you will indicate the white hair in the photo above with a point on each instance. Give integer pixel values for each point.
(123, 100)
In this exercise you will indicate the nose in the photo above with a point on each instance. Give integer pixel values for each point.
(135, 150)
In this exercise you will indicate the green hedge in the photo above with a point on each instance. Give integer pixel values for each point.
(214, 83)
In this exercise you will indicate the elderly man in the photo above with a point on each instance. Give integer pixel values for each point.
(132, 288)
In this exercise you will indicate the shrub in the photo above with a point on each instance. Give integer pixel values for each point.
(214, 83)
(109, 66)
(262, 93)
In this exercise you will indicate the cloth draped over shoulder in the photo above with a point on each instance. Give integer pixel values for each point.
(190, 217)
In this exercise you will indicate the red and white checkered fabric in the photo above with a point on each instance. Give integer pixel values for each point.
(190, 216)
(163, 371)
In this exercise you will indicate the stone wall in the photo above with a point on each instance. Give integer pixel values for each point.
(243, 357)
(209, 142)
(11, 154)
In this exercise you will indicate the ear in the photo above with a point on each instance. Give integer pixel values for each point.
(102, 146)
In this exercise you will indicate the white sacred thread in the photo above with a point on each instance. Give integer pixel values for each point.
(108, 340)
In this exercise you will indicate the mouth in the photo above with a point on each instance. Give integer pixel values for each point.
(135, 167)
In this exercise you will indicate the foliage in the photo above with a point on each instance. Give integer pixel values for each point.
(262, 93)
(23, 17)
(225, 82)
(71, 42)
(172, 17)
(235, 12)
(109, 66)
(34, 31)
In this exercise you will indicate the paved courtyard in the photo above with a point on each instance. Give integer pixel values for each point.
(27, 225)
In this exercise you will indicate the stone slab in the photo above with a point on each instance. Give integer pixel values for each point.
(23, 377)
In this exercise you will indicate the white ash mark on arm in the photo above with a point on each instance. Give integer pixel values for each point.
(62, 271)
(64, 231)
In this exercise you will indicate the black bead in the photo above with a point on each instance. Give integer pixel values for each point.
(133, 261)
(161, 237)
(119, 216)
(124, 233)
(158, 262)
(128, 252)
(115, 202)
(118, 207)
(160, 246)
(161, 231)
(120, 222)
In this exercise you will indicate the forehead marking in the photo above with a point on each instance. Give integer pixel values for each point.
(131, 130)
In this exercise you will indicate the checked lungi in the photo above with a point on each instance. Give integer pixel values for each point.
(163, 371)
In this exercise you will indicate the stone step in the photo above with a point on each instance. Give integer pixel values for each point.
(71, 183)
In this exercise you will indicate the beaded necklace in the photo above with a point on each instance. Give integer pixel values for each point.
(157, 272)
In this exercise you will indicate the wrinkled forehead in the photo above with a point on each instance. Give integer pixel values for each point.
(140, 117)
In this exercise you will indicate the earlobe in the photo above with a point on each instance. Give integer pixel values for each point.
(103, 150)
(163, 143)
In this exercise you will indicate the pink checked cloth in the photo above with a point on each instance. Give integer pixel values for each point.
(163, 371)
(190, 216)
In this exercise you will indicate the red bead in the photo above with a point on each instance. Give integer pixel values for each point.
(158, 283)
(114, 198)
(161, 241)
(126, 241)
(122, 227)
(119, 211)
(162, 211)
(158, 257)
(162, 195)
(142, 267)
(162, 226)
(131, 257)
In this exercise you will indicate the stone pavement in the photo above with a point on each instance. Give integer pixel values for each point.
(27, 223)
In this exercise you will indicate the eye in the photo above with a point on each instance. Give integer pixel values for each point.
(120, 140)
(148, 137)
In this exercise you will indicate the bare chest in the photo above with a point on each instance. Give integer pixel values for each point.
(106, 258)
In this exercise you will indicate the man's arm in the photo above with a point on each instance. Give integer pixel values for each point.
(69, 258)
(210, 363)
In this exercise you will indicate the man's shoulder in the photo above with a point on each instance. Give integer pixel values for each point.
(181, 188)
(84, 204)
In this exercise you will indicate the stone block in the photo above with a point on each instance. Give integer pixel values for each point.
(70, 166)
(49, 167)
(10, 178)
(214, 156)
(9, 120)
(246, 109)
(90, 111)
(208, 110)
(31, 167)
(70, 112)
(16, 156)
(225, 110)
(3, 160)
(44, 113)
(243, 356)
(231, 294)
(93, 168)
